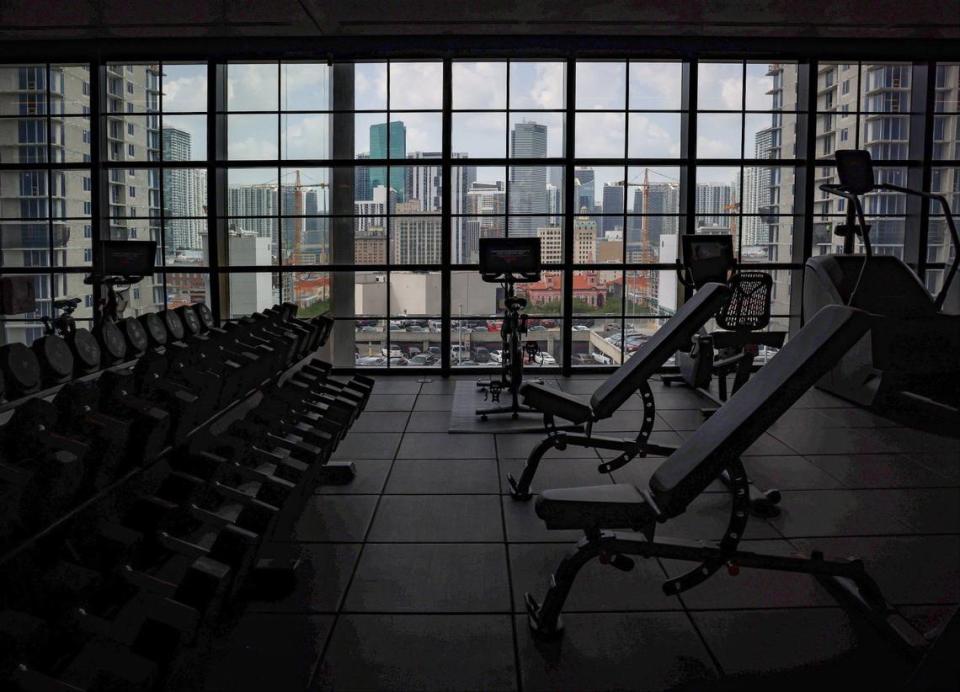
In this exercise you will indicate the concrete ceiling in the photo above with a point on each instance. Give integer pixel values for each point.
(96, 19)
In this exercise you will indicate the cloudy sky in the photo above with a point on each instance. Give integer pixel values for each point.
(529, 89)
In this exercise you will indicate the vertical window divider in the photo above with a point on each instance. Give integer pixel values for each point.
(688, 153)
(446, 222)
(923, 84)
(51, 262)
(624, 274)
(213, 188)
(566, 306)
(278, 214)
(802, 246)
(161, 171)
(97, 188)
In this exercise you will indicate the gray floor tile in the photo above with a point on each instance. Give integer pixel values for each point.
(816, 398)
(753, 588)
(439, 385)
(909, 569)
(368, 445)
(682, 419)
(836, 513)
(340, 518)
(945, 465)
(434, 402)
(396, 385)
(321, 579)
(917, 441)
(925, 510)
(380, 421)
(787, 473)
(524, 526)
(392, 652)
(811, 441)
(430, 577)
(369, 480)
(799, 649)
(443, 446)
(599, 651)
(443, 518)
(390, 402)
(452, 476)
(876, 471)
(598, 587)
(428, 421)
(268, 652)
(556, 473)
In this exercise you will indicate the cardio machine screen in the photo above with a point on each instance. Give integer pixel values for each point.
(509, 256)
(708, 257)
(128, 257)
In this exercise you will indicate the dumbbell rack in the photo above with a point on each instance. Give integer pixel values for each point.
(243, 400)
(12, 551)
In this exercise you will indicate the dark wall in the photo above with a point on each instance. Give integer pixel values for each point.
(93, 19)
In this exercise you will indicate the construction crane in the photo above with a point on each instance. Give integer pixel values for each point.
(298, 204)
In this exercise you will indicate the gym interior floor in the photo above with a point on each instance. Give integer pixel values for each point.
(414, 574)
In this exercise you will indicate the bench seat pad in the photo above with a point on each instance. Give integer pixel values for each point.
(619, 506)
(555, 402)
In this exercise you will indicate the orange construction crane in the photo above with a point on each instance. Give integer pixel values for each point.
(298, 188)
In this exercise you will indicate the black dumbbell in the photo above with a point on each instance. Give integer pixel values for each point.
(113, 343)
(55, 358)
(21, 370)
(86, 351)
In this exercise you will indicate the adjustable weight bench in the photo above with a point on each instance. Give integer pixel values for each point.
(631, 377)
(716, 446)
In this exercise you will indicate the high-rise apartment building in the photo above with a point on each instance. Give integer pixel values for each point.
(612, 201)
(389, 141)
(585, 178)
(485, 206)
(185, 195)
(528, 184)
(60, 204)
(416, 239)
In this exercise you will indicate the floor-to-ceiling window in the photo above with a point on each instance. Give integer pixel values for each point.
(362, 188)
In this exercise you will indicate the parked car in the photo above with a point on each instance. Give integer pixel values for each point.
(434, 351)
(422, 360)
(371, 361)
(481, 354)
(583, 359)
(544, 358)
(395, 352)
(536, 328)
(580, 328)
(398, 361)
(496, 356)
(417, 328)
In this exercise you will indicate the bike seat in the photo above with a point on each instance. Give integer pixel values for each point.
(65, 303)
(515, 303)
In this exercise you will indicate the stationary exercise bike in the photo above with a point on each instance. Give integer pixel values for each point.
(729, 350)
(509, 261)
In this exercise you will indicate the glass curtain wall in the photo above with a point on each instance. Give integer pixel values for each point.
(362, 189)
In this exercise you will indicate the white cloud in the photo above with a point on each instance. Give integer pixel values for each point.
(305, 86)
(549, 88)
(599, 135)
(306, 136)
(720, 86)
(655, 85)
(479, 85)
(185, 94)
(726, 148)
(416, 85)
(654, 135)
(252, 87)
(601, 85)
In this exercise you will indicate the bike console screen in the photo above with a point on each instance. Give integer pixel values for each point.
(128, 258)
(510, 257)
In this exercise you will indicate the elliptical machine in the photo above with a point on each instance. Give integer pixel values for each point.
(741, 321)
(911, 358)
(509, 261)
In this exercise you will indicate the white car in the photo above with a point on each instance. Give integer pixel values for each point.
(544, 358)
(496, 356)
